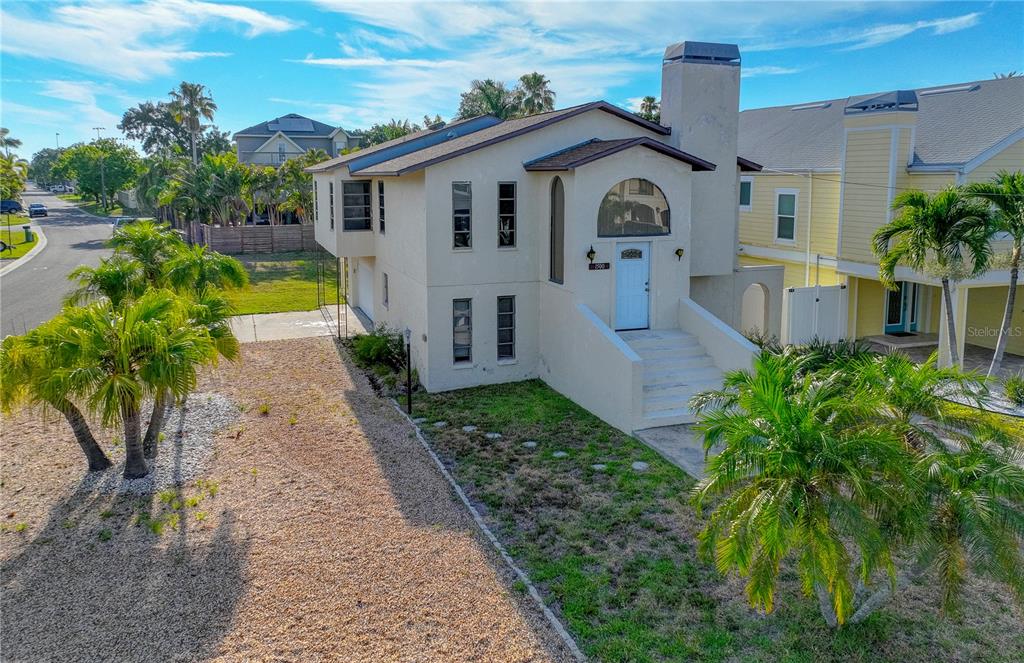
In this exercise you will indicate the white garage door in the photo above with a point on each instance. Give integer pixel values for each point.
(364, 287)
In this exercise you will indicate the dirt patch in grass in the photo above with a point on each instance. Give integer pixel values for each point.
(280, 282)
(613, 549)
(320, 530)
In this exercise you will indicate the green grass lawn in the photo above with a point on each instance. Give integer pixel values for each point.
(19, 246)
(91, 206)
(614, 551)
(278, 282)
(13, 220)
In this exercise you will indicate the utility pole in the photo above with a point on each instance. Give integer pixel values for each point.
(58, 140)
(103, 174)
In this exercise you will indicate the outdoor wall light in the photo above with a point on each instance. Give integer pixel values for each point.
(679, 253)
(591, 254)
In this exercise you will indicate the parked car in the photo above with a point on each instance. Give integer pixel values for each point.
(10, 206)
(37, 209)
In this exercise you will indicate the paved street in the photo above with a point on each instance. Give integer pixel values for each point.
(33, 292)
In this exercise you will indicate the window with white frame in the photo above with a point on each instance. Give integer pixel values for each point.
(746, 193)
(355, 212)
(316, 203)
(380, 204)
(385, 290)
(506, 327)
(462, 215)
(506, 214)
(785, 215)
(330, 200)
(462, 331)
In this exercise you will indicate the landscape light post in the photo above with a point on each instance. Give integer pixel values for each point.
(408, 371)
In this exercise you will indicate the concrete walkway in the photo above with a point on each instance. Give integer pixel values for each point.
(292, 324)
(680, 445)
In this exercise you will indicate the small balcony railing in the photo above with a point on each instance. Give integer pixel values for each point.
(267, 158)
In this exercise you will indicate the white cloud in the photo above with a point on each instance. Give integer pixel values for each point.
(768, 70)
(401, 59)
(32, 113)
(131, 42)
(83, 105)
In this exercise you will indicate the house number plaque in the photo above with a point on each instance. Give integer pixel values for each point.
(598, 266)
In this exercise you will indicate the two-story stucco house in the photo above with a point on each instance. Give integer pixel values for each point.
(831, 171)
(273, 142)
(584, 246)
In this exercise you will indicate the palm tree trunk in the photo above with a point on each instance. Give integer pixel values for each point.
(954, 353)
(93, 453)
(135, 461)
(195, 157)
(885, 593)
(156, 422)
(825, 605)
(1004, 330)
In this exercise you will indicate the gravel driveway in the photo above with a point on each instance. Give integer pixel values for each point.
(330, 535)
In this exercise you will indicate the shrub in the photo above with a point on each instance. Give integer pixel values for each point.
(381, 347)
(1014, 388)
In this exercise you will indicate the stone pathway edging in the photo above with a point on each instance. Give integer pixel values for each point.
(478, 519)
(32, 253)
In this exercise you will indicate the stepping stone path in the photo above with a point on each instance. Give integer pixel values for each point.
(440, 424)
(530, 444)
(600, 467)
(468, 429)
(419, 420)
(560, 454)
(640, 466)
(493, 436)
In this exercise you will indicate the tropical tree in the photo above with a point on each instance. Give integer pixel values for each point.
(802, 477)
(149, 243)
(190, 103)
(100, 168)
(534, 94)
(8, 142)
(489, 97)
(228, 184)
(650, 109)
(266, 191)
(196, 269)
(949, 227)
(382, 133)
(33, 370)
(297, 184)
(124, 354)
(1005, 193)
(117, 279)
(155, 126)
(13, 175)
(42, 163)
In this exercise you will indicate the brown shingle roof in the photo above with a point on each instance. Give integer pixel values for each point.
(595, 149)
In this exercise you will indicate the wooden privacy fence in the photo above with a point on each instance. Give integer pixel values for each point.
(253, 239)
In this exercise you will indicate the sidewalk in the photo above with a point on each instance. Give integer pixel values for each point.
(293, 324)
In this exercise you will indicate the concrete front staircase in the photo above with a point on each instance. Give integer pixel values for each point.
(675, 368)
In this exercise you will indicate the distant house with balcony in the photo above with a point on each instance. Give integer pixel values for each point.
(273, 142)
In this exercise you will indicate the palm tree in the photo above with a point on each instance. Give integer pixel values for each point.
(8, 142)
(125, 354)
(298, 184)
(805, 471)
(195, 269)
(534, 95)
(489, 97)
(13, 175)
(32, 370)
(1006, 195)
(118, 279)
(149, 243)
(944, 226)
(650, 109)
(190, 103)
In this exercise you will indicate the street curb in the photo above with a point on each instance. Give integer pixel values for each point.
(40, 245)
(525, 579)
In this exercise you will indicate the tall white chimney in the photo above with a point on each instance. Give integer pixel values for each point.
(700, 98)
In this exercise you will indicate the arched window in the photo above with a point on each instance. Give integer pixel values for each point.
(633, 208)
(557, 263)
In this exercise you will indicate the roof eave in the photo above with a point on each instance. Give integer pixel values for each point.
(748, 166)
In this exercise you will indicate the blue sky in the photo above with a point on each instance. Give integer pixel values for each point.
(71, 66)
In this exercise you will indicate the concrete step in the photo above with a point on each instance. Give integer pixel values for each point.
(661, 338)
(685, 383)
(667, 418)
(670, 370)
(670, 352)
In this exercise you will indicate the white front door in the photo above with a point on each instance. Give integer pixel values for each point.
(632, 285)
(364, 287)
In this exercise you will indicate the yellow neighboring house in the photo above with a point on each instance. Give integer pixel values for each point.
(831, 171)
